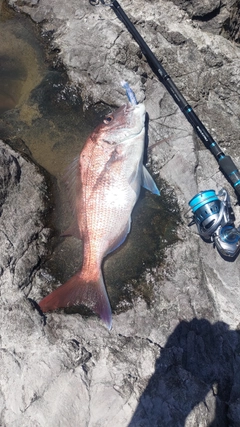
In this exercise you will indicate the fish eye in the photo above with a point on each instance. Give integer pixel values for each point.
(108, 119)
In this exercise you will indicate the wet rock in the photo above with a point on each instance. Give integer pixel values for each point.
(174, 361)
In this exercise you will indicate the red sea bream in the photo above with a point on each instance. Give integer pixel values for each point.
(107, 183)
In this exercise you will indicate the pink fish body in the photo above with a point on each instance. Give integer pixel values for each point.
(109, 176)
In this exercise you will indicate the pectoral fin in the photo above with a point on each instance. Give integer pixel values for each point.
(148, 182)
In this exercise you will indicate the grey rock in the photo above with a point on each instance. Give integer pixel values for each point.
(176, 361)
(230, 28)
(23, 206)
(199, 358)
(198, 9)
(214, 16)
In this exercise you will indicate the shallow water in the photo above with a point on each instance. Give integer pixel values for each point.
(21, 60)
(38, 106)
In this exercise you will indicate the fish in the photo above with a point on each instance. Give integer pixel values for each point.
(108, 176)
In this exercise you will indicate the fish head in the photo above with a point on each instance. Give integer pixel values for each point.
(122, 125)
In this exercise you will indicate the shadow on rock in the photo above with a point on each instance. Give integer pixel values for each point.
(196, 379)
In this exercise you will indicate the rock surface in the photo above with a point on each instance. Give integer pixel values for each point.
(175, 362)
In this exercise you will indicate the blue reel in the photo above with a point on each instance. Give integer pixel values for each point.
(207, 210)
(214, 218)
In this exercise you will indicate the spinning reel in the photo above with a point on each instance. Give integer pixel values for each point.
(214, 218)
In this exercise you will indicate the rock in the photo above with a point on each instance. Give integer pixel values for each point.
(198, 9)
(230, 27)
(23, 206)
(176, 360)
(196, 365)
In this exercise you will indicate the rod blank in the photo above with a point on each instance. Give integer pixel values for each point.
(225, 162)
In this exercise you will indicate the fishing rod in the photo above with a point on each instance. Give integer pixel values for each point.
(225, 162)
(212, 213)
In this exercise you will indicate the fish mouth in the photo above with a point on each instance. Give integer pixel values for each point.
(127, 122)
(138, 108)
(136, 119)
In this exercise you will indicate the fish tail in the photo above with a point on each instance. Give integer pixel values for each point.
(78, 291)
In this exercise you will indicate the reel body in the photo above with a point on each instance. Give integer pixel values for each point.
(214, 218)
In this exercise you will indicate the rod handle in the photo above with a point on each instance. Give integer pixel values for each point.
(231, 171)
